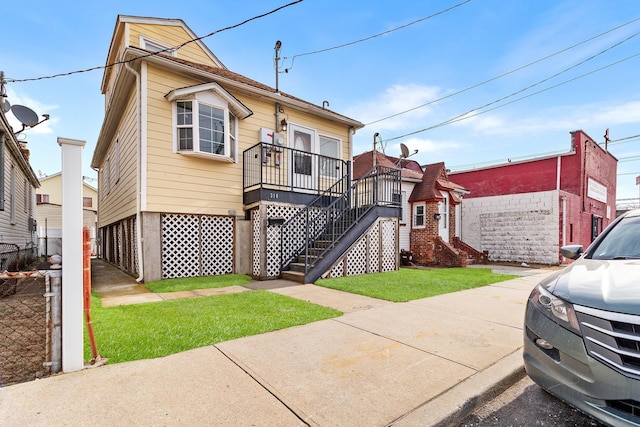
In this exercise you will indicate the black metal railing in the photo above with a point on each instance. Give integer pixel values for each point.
(275, 167)
(315, 229)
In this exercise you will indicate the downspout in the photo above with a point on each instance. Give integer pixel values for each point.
(564, 205)
(138, 172)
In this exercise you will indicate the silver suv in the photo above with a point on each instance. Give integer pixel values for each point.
(582, 327)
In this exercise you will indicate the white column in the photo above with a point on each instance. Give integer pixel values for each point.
(72, 268)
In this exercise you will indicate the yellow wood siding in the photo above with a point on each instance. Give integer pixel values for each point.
(120, 200)
(171, 35)
(52, 185)
(179, 183)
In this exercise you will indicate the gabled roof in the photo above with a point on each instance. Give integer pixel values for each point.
(362, 163)
(125, 19)
(433, 181)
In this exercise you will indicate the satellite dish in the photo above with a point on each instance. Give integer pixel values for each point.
(25, 115)
(404, 150)
(6, 105)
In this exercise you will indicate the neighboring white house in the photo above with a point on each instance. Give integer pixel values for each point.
(17, 198)
(49, 215)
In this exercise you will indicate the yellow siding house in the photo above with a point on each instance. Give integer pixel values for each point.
(203, 171)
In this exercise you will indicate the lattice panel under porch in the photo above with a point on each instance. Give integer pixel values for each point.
(180, 246)
(338, 269)
(255, 215)
(389, 236)
(217, 245)
(134, 246)
(374, 248)
(274, 243)
(357, 258)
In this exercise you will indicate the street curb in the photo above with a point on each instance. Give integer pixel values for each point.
(451, 407)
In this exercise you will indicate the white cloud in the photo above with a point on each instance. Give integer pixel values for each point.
(395, 99)
(563, 118)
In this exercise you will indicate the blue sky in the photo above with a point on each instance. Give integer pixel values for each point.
(430, 60)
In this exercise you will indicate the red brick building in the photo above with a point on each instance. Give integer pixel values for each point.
(525, 211)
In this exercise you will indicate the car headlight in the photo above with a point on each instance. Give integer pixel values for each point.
(555, 308)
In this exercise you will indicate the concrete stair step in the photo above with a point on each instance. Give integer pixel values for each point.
(294, 276)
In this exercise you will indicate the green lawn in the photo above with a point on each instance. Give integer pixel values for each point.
(144, 331)
(408, 284)
(192, 283)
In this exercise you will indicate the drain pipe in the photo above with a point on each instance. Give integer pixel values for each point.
(138, 173)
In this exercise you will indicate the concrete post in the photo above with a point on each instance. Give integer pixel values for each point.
(72, 272)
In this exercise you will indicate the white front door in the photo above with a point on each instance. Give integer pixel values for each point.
(303, 142)
(443, 223)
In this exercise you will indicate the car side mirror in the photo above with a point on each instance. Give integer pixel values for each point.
(571, 251)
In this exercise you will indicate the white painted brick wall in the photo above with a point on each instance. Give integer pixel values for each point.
(517, 227)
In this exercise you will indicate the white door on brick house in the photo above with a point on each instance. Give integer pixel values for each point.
(443, 210)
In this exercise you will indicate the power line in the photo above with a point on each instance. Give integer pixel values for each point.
(623, 140)
(504, 74)
(468, 115)
(293, 58)
(230, 27)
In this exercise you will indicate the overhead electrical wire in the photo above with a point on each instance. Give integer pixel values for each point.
(467, 115)
(293, 58)
(504, 74)
(230, 27)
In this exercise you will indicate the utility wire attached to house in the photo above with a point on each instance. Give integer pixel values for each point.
(155, 53)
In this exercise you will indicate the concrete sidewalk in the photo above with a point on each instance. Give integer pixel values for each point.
(421, 363)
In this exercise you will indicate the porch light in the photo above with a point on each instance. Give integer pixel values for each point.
(283, 125)
(436, 216)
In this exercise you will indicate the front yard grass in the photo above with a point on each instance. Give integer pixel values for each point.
(144, 331)
(408, 284)
(193, 283)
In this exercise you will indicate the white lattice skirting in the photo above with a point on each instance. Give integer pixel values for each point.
(196, 245)
(374, 252)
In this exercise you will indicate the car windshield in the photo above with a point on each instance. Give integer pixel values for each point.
(621, 242)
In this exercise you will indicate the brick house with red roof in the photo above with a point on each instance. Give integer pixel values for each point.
(430, 210)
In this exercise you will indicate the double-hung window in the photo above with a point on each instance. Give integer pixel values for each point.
(205, 121)
(418, 216)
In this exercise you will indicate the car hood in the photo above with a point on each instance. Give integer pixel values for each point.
(612, 285)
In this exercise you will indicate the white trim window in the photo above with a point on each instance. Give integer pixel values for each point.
(329, 147)
(205, 122)
(152, 45)
(419, 214)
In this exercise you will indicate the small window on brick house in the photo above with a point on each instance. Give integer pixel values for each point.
(418, 215)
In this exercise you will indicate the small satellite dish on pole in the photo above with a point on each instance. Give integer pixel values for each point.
(6, 105)
(25, 115)
(404, 150)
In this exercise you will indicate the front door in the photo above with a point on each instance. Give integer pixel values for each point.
(443, 223)
(303, 142)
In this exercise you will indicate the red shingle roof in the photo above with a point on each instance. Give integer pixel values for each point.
(362, 163)
(434, 179)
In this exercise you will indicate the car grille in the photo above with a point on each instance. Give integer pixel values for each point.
(612, 338)
(630, 407)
